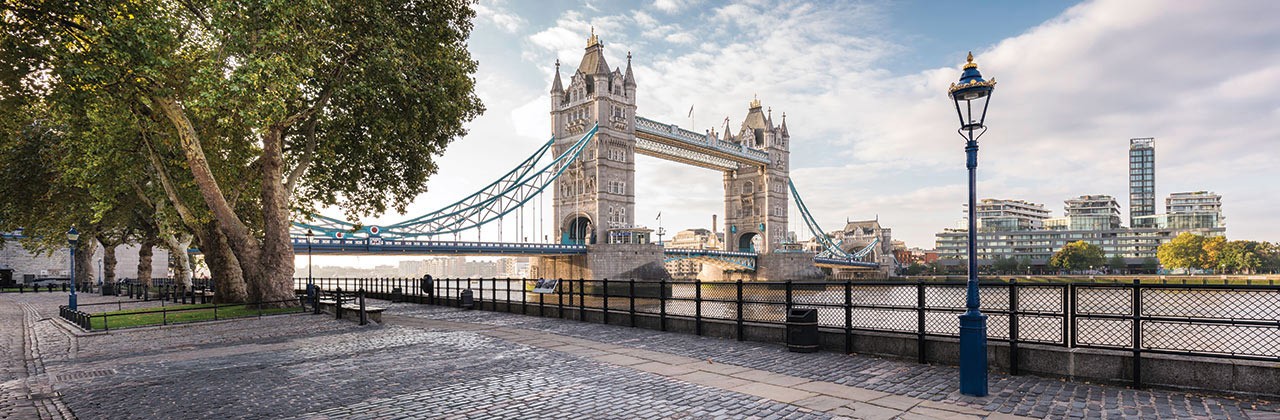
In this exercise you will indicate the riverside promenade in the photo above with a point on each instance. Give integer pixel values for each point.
(439, 362)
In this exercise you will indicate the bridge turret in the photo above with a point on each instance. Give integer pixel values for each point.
(756, 196)
(596, 195)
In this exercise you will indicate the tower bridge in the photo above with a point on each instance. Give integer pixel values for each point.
(596, 134)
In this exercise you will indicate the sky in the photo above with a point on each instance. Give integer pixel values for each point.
(863, 85)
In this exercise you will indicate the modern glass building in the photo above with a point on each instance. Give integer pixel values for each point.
(1093, 212)
(996, 215)
(1142, 180)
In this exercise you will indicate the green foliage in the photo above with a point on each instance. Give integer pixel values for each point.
(1078, 255)
(1117, 264)
(1150, 265)
(1009, 265)
(1184, 251)
(914, 269)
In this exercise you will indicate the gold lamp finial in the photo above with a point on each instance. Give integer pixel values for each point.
(969, 64)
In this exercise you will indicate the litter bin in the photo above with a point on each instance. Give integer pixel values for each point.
(396, 294)
(802, 330)
(467, 299)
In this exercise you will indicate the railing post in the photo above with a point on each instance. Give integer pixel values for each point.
(215, 312)
(697, 306)
(739, 334)
(1069, 315)
(1137, 333)
(605, 305)
(582, 299)
(364, 317)
(631, 292)
(920, 331)
(524, 298)
(1013, 326)
(788, 301)
(480, 296)
(560, 298)
(662, 304)
(337, 303)
(848, 316)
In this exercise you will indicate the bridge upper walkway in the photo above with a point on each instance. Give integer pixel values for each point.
(668, 141)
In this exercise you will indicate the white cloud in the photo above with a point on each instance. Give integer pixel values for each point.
(1200, 77)
(673, 6)
(495, 13)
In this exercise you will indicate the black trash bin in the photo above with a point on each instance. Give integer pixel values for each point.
(468, 300)
(397, 294)
(802, 330)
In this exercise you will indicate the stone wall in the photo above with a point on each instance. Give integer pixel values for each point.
(611, 261)
(23, 263)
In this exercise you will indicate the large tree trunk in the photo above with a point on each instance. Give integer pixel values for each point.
(85, 248)
(228, 278)
(178, 259)
(277, 248)
(144, 260)
(247, 249)
(109, 263)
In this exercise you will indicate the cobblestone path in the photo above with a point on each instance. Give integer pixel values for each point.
(436, 362)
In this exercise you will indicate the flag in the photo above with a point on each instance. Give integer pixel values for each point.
(659, 216)
(690, 111)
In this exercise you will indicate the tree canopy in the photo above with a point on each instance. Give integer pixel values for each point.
(270, 107)
(1078, 255)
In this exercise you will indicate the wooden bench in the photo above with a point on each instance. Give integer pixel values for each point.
(347, 305)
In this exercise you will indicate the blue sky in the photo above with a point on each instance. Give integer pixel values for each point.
(863, 85)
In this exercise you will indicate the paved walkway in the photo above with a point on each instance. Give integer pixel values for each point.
(436, 362)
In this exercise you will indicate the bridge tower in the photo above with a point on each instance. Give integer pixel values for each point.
(595, 201)
(755, 197)
(597, 192)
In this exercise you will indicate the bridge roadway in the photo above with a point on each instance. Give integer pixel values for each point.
(377, 246)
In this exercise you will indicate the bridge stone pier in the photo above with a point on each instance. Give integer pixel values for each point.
(594, 199)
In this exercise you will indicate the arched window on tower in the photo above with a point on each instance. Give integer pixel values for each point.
(748, 188)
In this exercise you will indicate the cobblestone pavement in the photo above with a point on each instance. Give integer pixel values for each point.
(436, 362)
(1019, 395)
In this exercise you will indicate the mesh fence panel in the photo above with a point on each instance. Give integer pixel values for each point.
(1044, 329)
(764, 312)
(1104, 332)
(884, 296)
(1214, 303)
(1249, 340)
(1104, 300)
(764, 292)
(1040, 298)
(885, 319)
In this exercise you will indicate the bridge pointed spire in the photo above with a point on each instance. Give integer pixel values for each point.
(556, 86)
(629, 80)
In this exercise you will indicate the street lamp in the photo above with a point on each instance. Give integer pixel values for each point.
(310, 236)
(971, 95)
(73, 237)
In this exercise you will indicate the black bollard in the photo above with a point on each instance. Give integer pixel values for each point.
(337, 303)
(364, 318)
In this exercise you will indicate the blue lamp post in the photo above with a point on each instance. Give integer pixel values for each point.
(73, 237)
(971, 95)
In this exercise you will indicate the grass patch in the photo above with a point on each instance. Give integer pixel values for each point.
(179, 314)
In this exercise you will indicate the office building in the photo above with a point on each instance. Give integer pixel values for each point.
(1093, 212)
(1142, 181)
(995, 215)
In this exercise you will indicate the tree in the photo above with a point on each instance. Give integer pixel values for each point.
(1117, 264)
(1242, 256)
(1212, 257)
(1005, 265)
(1184, 251)
(1078, 255)
(1150, 265)
(253, 93)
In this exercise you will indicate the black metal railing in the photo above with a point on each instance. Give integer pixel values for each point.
(1225, 320)
(85, 320)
